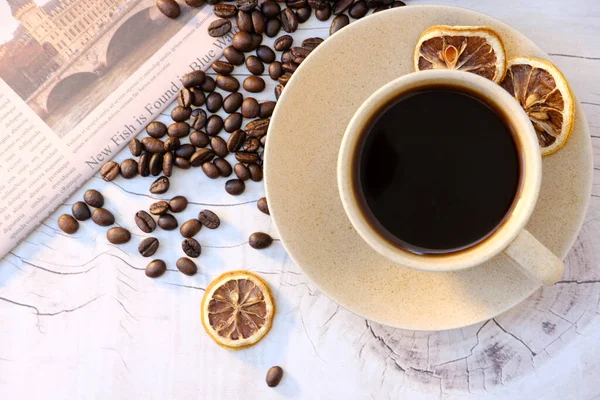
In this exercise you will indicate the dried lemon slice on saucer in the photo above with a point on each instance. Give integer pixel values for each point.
(544, 93)
(476, 49)
(237, 309)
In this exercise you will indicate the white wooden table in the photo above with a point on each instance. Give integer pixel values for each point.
(80, 320)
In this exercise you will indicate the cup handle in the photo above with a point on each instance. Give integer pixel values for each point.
(535, 259)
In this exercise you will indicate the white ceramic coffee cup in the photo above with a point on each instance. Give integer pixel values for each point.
(510, 237)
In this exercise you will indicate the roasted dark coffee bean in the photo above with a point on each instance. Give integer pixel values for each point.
(103, 217)
(258, 22)
(242, 41)
(198, 119)
(225, 10)
(199, 139)
(235, 187)
(168, 162)
(311, 43)
(278, 91)
(156, 129)
(178, 204)
(265, 54)
(398, 3)
(274, 376)
(260, 240)
(152, 145)
(160, 186)
(135, 147)
(266, 109)
(182, 163)
(167, 222)
(254, 65)
(144, 221)
(303, 14)
(180, 114)
(222, 67)
(228, 83)
(290, 67)
(144, 164)
(247, 5)
(201, 156)
(170, 8)
(156, 268)
(338, 23)
(110, 171)
(209, 219)
(185, 150)
(185, 97)
(263, 206)
(233, 102)
(317, 4)
(118, 235)
(223, 166)
(244, 21)
(235, 141)
(246, 158)
(195, 3)
(340, 6)
(186, 266)
(93, 198)
(159, 208)
(250, 107)
(256, 172)
(270, 9)
(275, 70)
(256, 41)
(295, 4)
(284, 79)
(148, 247)
(299, 54)
(155, 164)
(323, 14)
(273, 26)
(358, 9)
(214, 124)
(190, 228)
(257, 128)
(234, 56)
(254, 84)
(194, 78)
(263, 141)
(81, 211)
(219, 145)
(191, 247)
(219, 28)
(172, 144)
(214, 101)
(68, 224)
(289, 20)
(210, 170)
(286, 56)
(208, 85)
(251, 145)
(129, 168)
(241, 171)
(179, 129)
(198, 97)
(233, 122)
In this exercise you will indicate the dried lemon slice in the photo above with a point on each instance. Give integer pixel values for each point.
(237, 309)
(476, 49)
(544, 93)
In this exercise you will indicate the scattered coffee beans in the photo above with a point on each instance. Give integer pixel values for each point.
(210, 170)
(256, 172)
(263, 206)
(241, 171)
(223, 166)
(81, 211)
(254, 65)
(232, 122)
(110, 171)
(214, 101)
(170, 8)
(273, 26)
(167, 222)
(201, 156)
(177, 129)
(190, 228)
(260, 240)
(68, 224)
(148, 247)
(214, 124)
(180, 114)
(178, 204)
(191, 247)
(289, 20)
(224, 10)
(209, 219)
(153, 145)
(338, 23)
(233, 55)
(270, 9)
(155, 164)
(199, 139)
(168, 162)
(144, 164)
(159, 208)
(185, 150)
(93, 198)
(198, 119)
(228, 83)
(233, 102)
(246, 158)
(156, 268)
(274, 376)
(235, 187)
(103, 217)
(193, 79)
(186, 266)
(118, 235)
(144, 221)
(135, 147)
(275, 70)
(185, 97)
(171, 144)
(160, 186)
(257, 128)
(218, 28)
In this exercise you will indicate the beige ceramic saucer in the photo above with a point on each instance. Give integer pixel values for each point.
(301, 158)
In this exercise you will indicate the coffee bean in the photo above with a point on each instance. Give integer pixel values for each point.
(233, 102)
(178, 129)
(190, 227)
(303, 14)
(152, 145)
(275, 70)
(118, 235)
(290, 67)
(312, 43)
(156, 268)
(103, 217)
(225, 10)
(129, 168)
(81, 211)
(159, 208)
(110, 171)
(199, 139)
(265, 54)
(178, 204)
(93, 198)
(250, 108)
(233, 122)
(209, 219)
(222, 67)
(260, 240)
(265, 109)
(214, 124)
(286, 56)
(296, 4)
(274, 376)
(180, 114)
(299, 54)
(254, 84)
(223, 166)
(171, 144)
(254, 65)
(283, 43)
(195, 3)
(210, 170)
(323, 14)
(167, 165)
(186, 266)
(317, 4)
(234, 56)
(340, 6)
(144, 164)
(263, 206)
(241, 171)
(160, 186)
(278, 91)
(228, 83)
(167, 222)
(289, 20)
(194, 78)
(270, 9)
(358, 9)
(208, 85)
(68, 224)
(256, 41)
(251, 145)
(257, 128)
(235, 187)
(242, 41)
(148, 247)
(156, 129)
(235, 140)
(135, 147)
(398, 3)
(170, 8)
(185, 97)
(182, 163)
(185, 150)
(379, 8)
(197, 119)
(284, 79)
(246, 158)
(219, 28)
(338, 23)
(144, 221)
(214, 101)
(244, 21)
(256, 172)
(201, 156)
(155, 164)
(247, 5)
(258, 22)
(191, 247)
(273, 26)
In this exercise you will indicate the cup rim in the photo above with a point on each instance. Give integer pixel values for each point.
(526, 196)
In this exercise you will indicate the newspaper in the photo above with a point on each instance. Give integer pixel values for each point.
(78, 80)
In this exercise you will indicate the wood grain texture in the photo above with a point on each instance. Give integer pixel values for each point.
(81, 320)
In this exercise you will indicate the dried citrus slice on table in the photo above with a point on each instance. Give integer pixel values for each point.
(237, 309)
(544, 94)
(476, 49)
